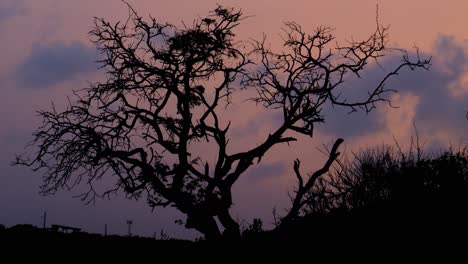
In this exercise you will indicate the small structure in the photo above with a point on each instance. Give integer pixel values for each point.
(129, 223)
(64, 229)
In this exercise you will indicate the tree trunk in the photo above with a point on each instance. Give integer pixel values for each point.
(232, 229)
(205, 224)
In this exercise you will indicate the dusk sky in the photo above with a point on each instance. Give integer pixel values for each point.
(46, 53)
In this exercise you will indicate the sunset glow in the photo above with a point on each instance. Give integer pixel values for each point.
(46, 54)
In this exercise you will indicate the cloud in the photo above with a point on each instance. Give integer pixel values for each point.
(265, 120)
(263, 171)
(49, 65)
(440, 95)
(11, 8)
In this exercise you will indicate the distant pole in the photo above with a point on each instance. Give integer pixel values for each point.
(44, 219)
(105, 229)
(154, 235)
(129, 223)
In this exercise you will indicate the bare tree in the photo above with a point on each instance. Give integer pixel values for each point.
(165, 89)
(301, 200)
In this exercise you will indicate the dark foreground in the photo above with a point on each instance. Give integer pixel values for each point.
(338, 235)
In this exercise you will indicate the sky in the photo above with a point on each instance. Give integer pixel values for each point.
(46, 53)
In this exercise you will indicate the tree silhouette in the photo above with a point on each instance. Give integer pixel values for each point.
(165, 90)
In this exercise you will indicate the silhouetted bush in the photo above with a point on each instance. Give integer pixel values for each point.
(255, 227)
(23, 228)
(385, 177)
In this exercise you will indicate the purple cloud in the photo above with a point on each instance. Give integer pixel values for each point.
(437, 108)
(49, 65)
(11, 8)
(262, 171)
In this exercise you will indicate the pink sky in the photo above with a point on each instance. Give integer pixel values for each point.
(46, 53)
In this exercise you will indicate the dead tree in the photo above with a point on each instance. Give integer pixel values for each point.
(165, 89)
